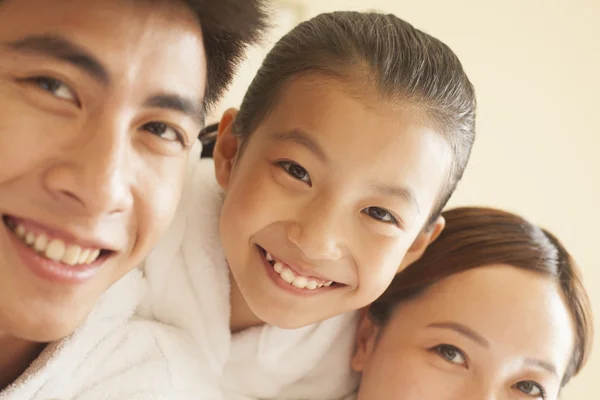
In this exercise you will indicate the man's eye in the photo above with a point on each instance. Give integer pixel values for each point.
(55, 87)
(164, 131)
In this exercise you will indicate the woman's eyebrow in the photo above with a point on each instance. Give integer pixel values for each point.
(463, 330)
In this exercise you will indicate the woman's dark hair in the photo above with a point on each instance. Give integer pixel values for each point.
(478, 237)
(402, 63)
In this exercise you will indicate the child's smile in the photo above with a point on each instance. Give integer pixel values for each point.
(291, 277)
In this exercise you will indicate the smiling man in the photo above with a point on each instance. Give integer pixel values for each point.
(100, 106)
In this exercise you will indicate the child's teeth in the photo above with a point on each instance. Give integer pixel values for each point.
(312, 285)
(278, 267)
(269, 257)
(93, 256)
(300, 282)
(56, 250)
(287, 275)
(72, 254)
(83, 257)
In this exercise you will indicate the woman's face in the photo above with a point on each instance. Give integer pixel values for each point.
(96, 121)
(494, 332)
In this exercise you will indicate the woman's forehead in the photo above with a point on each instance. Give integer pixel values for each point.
(519, 311)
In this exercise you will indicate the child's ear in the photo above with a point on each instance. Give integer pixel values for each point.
(425, 238)
(226, 148)
(366, 339)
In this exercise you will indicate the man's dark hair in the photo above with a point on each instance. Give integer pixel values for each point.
(228, 27)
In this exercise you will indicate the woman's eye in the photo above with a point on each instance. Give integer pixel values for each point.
(296, 171)
(55, 88)
(531, 389)
(381, 214)
(452, 354)
(164, 131)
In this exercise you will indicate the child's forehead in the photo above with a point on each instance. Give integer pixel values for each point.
(322, 104)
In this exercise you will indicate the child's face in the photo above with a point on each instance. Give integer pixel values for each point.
(335, 187)
(490, 333)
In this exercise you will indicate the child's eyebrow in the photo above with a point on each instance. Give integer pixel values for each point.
(403, 192)
(303, 139)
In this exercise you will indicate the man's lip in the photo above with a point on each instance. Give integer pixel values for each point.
(73, 236)
(54, 271)
(301, 271)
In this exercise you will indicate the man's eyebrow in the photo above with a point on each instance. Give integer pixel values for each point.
(183, 104)
(302, 138)
(63, 49)
(463, 330)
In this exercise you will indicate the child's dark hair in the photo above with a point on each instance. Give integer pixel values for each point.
(477, 237)
(402, 63)
(228, 28)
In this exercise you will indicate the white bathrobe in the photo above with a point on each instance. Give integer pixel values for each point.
(189, 289)
(113, 356)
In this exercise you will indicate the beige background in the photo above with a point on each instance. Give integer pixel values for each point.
(536, 67)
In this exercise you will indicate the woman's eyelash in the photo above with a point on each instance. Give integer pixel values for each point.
(451, 353)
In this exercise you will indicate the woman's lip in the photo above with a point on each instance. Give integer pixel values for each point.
(53, 271)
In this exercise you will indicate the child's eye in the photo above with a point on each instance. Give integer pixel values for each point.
(531, 389)
(296, 171)
(380, 214)
(452, 354)
(164, 131)
(55, 87)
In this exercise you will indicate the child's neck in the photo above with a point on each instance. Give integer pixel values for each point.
(15, 357)
(242, 316)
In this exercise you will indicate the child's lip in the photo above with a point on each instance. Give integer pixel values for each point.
(309, 273)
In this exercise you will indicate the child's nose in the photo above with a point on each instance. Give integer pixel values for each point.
(318, 233)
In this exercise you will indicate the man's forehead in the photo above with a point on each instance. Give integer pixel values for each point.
(113, 43)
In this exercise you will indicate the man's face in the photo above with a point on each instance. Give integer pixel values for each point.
(100, 101)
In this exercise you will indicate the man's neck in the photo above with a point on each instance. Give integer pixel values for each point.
(242, 316)
(15, 357)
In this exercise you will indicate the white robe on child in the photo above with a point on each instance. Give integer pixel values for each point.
(189, 288)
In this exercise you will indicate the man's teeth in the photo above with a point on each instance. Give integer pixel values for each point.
(300, 282)
(56, 249)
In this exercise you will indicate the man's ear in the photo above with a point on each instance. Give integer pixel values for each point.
(226, 148)
(425, 238)
(366, 340)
